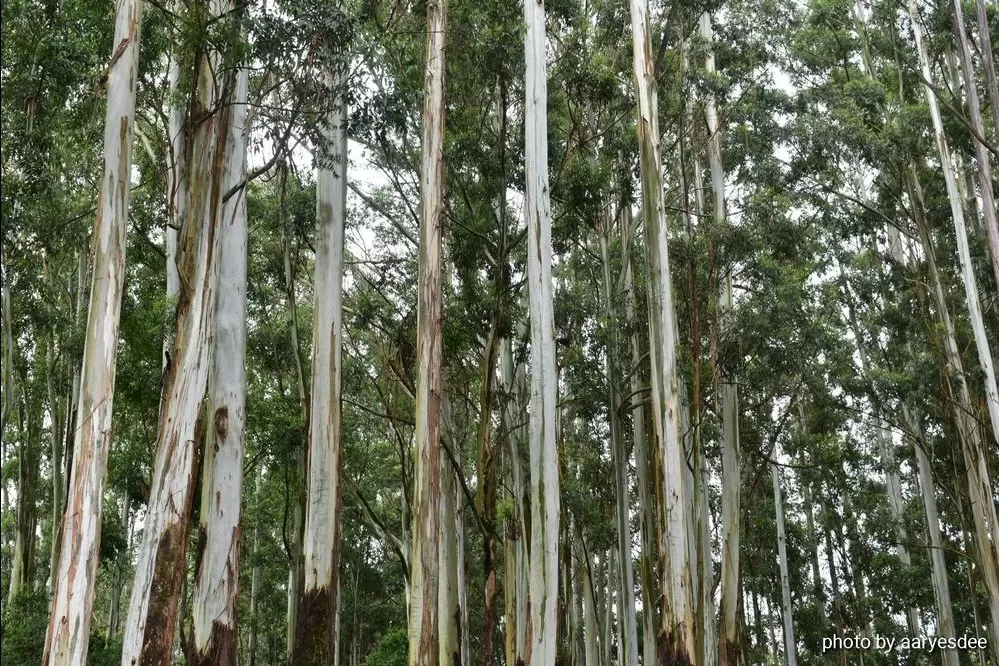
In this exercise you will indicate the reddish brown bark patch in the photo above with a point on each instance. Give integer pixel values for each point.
(221, 649)
(164, 596)
(315, 643)
(671, 650)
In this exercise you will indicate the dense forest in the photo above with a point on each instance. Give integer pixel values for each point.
(453, 332)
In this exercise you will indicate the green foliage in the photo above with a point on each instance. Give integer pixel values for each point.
(391, 650)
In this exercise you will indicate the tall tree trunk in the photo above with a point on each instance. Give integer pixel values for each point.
(315, 636)
(813, 550)
(988, 65)
(730, 633)
(68, 634)
(676, 642)
(298, 483)
(515, 553)
(643, 477)
(449, 625)
(984, 170)
(790, 645)
(160, 572)
(973, 446)
(114, 616)
(941, 587)
(590, 627)
(58, 483)
(545, 493)
(619, 455)
(967, 269)
(424, 574)
(216, 589)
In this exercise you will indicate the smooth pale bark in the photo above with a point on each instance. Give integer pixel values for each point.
(515, 571)
(216, 588)
(646, 505)
(988, 65)
(790, 647)
(590, 628)
(178, 193)
(424, 571)
(8, 371)
(68, 634)
(729, 648)
(56, 435)
(619, 457)
(315, 635)
(545, 493)
(676, 642)
(156, 591)
(984, 170)
(813, 552)
(964, 255)
(941, 586)
(973, 446)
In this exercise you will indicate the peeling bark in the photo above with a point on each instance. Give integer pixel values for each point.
(424, 573)
(68, 635)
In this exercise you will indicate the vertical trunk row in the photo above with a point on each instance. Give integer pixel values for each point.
(730, 633)
(984, 170)
(68, 633)
(159, 575)
(676, 643)
(785, 582)
(973, 446)
(424, 573)
(315, 636)
(619, 456)
(988, 65)
(215, 600)
(515, 549)
(986, 533)
(545, 493)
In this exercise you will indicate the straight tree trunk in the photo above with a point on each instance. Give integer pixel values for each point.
(161, 567)
(676, 640)
(967, 270)
(590, 628)
(315, 635)
(984, 170)
(545, 493)
(790, 645)
(988, 65)
(68, 634)
(619, 458)
(646, 504)
(515, 553)
(449, 624)
(424, 574)
(730, 633)
(216, 589)
(973, 446)
(941, 587)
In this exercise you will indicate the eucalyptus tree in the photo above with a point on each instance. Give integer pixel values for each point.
(160, 572)
(68, 635)
(677, 620)
(544, 466)
(424, 571)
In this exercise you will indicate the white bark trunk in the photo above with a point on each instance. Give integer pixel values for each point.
(152, 614)
(973, 446)
(785, 582)
(941, 586)
(215, 600)
(424, 575)
(314, 631)
(964, 254)
(677, 620)
(68, 635)
(984, 170)
(545, 494)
